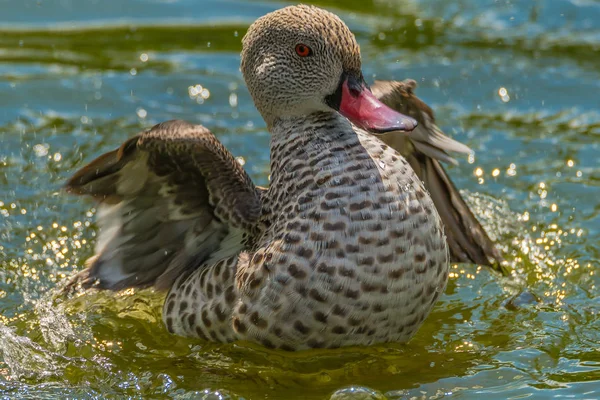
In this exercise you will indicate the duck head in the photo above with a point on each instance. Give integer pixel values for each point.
(301, 60)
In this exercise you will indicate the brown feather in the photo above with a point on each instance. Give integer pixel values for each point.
(467, 240)
(168, 199)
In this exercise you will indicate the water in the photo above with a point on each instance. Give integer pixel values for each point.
(518, 81)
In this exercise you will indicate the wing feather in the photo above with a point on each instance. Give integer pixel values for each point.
(169, 197)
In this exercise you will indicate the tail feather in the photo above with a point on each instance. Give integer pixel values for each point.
(467, 239)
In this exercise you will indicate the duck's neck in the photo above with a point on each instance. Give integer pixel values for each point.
(283, 129)
(306, 138)
(309, 154)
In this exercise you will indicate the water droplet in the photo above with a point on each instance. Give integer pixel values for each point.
(133, 71)
(143, 57)
(193, 91)
(512, 170)
(503, 93)
(140, 346)
(233, 100)
(198, 92)
(41, 149)
(57, 157)
(141, 113)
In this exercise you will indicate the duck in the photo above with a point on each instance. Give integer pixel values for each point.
(346, 247)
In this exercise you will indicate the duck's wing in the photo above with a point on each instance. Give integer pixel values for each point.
(170, 198)
(424, 148)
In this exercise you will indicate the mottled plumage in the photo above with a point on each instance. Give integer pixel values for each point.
(424, 148)
(344, 248)
(353, 252)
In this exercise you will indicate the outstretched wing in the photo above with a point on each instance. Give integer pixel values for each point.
(424, 148)
(171, 198)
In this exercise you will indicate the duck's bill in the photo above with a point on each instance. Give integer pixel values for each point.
(364, 110)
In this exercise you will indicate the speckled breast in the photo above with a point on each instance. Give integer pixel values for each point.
(354, 252)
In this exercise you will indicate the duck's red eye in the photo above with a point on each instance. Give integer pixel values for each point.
(303, 50)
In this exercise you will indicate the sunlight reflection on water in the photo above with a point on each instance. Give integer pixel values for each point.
(522, 92)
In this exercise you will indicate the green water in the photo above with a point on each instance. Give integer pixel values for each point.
(77, 77)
